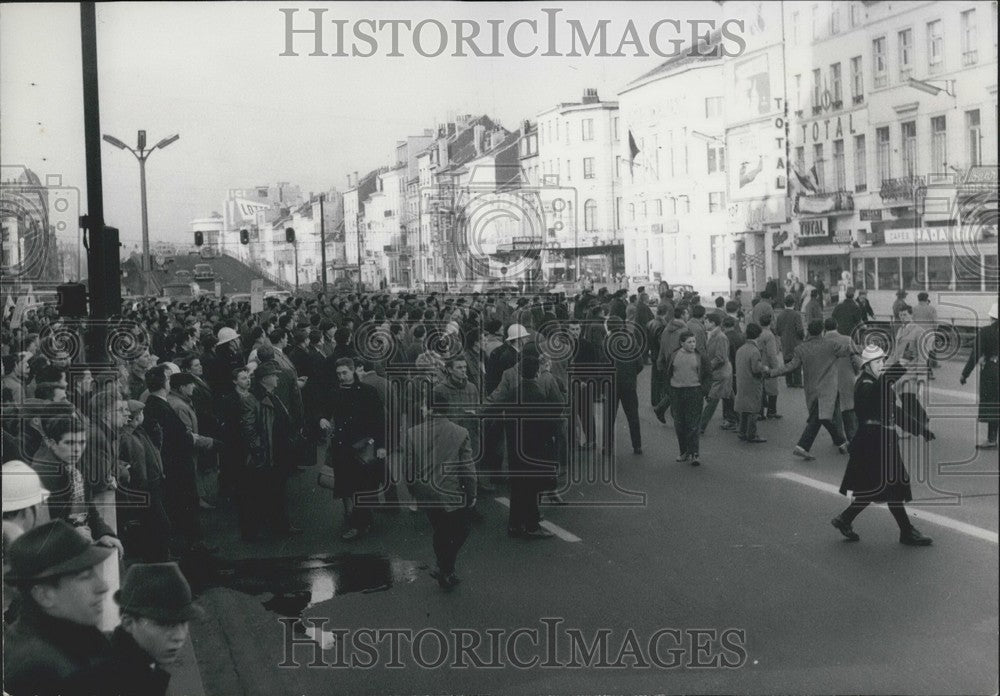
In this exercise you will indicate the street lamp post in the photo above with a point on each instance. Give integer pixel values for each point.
(142, 154)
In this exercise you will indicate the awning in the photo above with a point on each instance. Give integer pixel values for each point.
(821, 250)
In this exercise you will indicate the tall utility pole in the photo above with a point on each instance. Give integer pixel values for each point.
(142, 154)
(102, 262)
(322, 241)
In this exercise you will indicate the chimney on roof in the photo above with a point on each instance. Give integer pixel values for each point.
(442, 153)
(496, 137)
(590, 96)
(477, 138)
(525, 127)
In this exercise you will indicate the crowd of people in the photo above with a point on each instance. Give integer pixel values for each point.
(409, 400)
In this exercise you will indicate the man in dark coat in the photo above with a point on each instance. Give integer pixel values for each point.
(669, 343)
(986, 349)
(627, 369)
(156, 607)
(177, 449)
(790, 332)
(266, 428)
(55, 640)
(731, 328)
(847, 313)
(355, 425)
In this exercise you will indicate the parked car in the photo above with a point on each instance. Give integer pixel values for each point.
(203, 271)
(183, 276)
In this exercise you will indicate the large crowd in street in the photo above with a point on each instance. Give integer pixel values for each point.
(421, 400)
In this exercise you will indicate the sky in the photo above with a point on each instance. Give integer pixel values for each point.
(213, 73)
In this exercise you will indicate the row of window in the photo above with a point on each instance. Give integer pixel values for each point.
(554, 168)
(958, 273)
(939, 164)
(830, 25)
(553, 131)
(716, 204)
(830, 89)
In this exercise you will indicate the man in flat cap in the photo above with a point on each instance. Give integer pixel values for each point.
(55, 641)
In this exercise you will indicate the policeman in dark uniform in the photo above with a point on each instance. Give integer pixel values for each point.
(986, 348)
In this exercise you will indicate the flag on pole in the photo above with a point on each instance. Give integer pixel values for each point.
(633, 149)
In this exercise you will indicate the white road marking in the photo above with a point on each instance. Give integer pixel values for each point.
(933, 518)
(554, 528)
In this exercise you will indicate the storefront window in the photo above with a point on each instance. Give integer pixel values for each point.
(990, 272)
(968, 273)
(910, 279)
(888, 274)
(938, 272)
(859, 274)
(864, 274)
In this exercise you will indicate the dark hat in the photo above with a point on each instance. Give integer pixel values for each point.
(157, 591)
(642, 289)
(134, 406)
(51, 550)
(181, 379)
(266, 369)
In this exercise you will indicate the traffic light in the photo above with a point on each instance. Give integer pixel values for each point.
(290, 235)
(199, 238)
(244, 236)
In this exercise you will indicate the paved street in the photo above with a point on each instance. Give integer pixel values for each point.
(742, 542)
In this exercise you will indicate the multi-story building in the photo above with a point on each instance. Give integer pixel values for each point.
(301, 263)
(756, 141)
(673, 171)
(894, 112)
(580, 187)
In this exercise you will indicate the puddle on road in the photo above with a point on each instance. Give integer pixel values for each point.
(292, 584)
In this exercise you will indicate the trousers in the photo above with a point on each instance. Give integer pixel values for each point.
(451, 529)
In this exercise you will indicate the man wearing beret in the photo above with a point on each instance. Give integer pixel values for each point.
(55, 641)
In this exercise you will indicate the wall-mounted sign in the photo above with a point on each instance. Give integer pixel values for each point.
(812, 228)
(869, 214)
(924, 235)
(842, 237)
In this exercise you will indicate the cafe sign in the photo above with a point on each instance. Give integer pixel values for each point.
(871, 214)
(920, 235)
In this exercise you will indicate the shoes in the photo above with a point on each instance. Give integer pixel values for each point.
(845, 529)
(774, 416)
(660, 415)
(694, 460)
(799, 452)
(844, 448)
(761, 417)
(637, 450)
(452, 580)
(728, 425)
(987, 445)
(683, 458)
(205, 505)
(755, 440)
(442, 579)
(912, 537)
(538, 533)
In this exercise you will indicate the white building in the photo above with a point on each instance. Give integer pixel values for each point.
(894, 104)
(674, 191)
(580, 186)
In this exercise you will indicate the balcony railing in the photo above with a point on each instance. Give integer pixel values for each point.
(894, 189)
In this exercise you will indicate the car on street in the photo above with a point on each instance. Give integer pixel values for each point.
(183, 276)
(203, 271)
(179, 292)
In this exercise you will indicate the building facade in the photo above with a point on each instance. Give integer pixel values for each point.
(894, 145)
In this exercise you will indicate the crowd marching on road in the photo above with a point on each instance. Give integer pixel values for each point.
(426, 400)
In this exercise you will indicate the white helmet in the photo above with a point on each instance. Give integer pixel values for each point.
(226, 335)
(21, 487)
